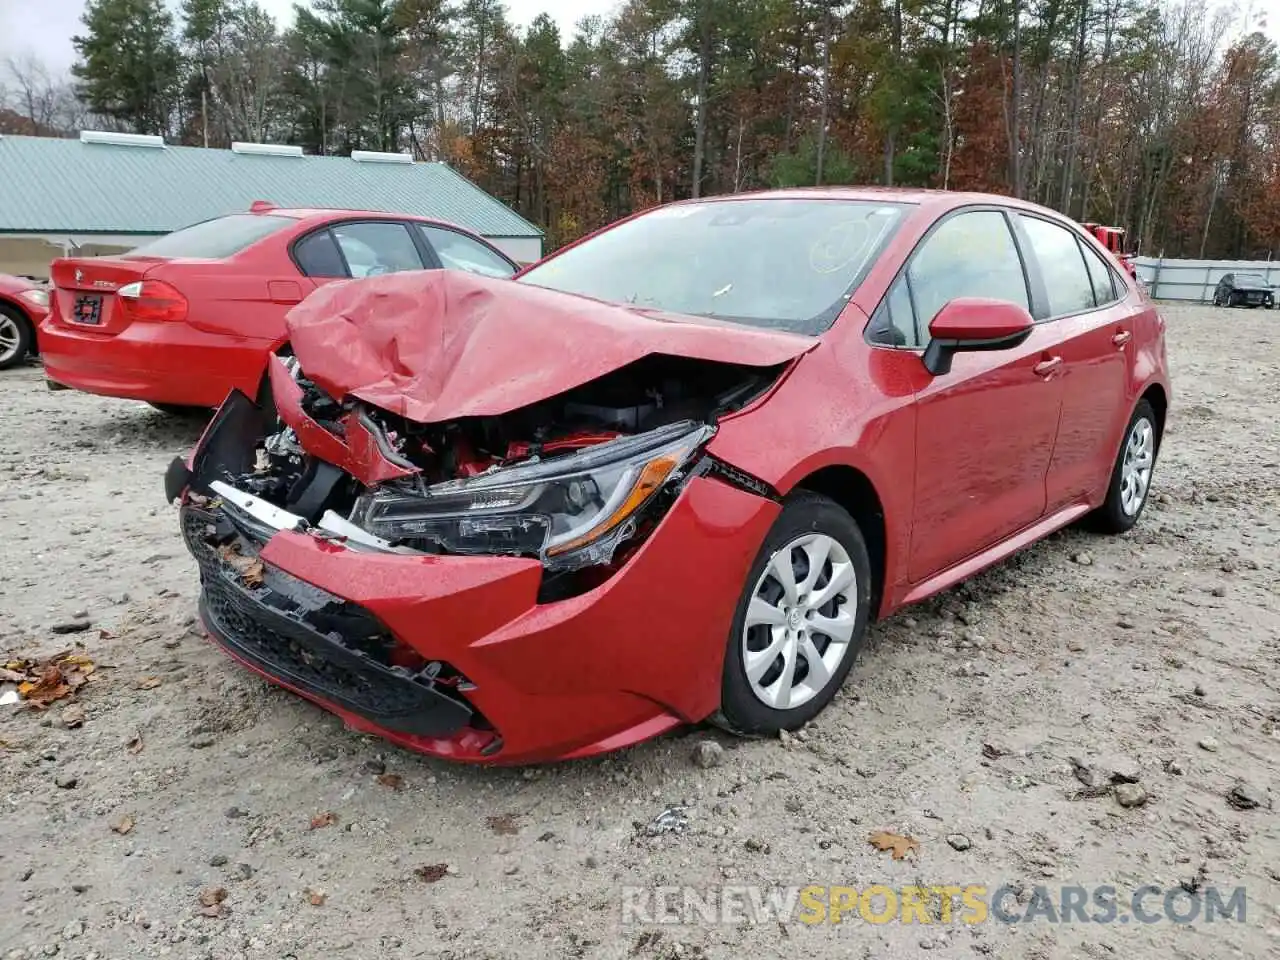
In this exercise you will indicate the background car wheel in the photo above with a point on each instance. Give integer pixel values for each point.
(800, 621)
(15, 337)
(1131, 476)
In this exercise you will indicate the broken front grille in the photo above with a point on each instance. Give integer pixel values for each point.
(311, 639)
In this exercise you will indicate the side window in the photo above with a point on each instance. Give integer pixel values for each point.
(969, 255)
(318, 256)
(894, 323)
(374, 248)
(1066, 279)
(1100, 275)
(459, 252)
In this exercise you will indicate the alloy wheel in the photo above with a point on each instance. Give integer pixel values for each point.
(1135, 472)
(800, 621)
(10, 338)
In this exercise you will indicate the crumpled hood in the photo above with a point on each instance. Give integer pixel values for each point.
(441, 344)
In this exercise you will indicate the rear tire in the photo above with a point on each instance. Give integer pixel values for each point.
(796, 632)
(1131, 476)
(16, 337)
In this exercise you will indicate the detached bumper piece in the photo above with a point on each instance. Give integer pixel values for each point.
(313, 641)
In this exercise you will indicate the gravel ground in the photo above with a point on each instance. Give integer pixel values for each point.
(1154, 656)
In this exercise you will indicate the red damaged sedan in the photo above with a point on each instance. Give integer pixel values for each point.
(671, 473)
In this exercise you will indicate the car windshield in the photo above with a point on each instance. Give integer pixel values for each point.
(214, 239)
(785, 264)
(1250, 280)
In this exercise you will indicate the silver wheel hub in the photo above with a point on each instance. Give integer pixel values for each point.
(9, 337)
(1135, 468)
(800, 621)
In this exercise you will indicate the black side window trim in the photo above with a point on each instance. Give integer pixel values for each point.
(1028, 279)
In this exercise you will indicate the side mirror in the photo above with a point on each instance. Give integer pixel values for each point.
(974, 323)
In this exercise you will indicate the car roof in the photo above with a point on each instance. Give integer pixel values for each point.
(937, 200)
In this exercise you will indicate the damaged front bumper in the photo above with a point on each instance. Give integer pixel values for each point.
(459, 656)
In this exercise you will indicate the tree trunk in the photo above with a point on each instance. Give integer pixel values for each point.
(1015, 105)
(826, 89)
(704, 78)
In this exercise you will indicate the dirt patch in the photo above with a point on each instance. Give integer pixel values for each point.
(1079, 715)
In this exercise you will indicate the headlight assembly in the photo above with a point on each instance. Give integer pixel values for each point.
(569, 512)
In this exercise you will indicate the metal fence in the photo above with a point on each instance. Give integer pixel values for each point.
(1195, 280)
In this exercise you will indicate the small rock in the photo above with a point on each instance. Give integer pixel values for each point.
(1124, 770)
(756, 846)
(1199, 690)
(235, 813)
(1175, 768)
(544, 837)
(217, 860)
(80, 887)
(1209, 743)
(202, 741)
(375, 767)
(1219, 591)
(25, 874)
(1090, 775)
(590, 862)
(512, 869)
(73, 929)
(958, 841)
(1245, 796)
(708, 754)
(73, 626)
(1075, 646)
(1084, 558)
(244, 871)
(80, 615)
(66, 781)
(73, 716)
(1130, 795)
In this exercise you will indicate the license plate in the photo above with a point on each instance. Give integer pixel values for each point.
(88, 310)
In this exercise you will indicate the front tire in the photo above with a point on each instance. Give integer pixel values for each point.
(1131, 476)
(800, 621)
(16, 337)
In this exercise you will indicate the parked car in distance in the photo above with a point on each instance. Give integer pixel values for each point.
(783, 416)
(181, 320)
(23, 304)
(1244, 290)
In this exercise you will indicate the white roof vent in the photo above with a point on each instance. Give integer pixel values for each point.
(266, 149)
(372, 156)
(121, 139)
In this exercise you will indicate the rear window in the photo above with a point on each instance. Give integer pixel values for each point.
(214, 239)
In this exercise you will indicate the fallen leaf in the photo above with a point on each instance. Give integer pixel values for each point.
(900, 845)
(149, 683)
(11, 676)
(316, 897)
(392, 780)
(134, 745)
(211, 895)
(326, 819)
(432, 872)
(504, 824)
(123, 825)
(250, 569)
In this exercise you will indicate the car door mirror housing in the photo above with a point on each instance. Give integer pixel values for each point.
(974, 323)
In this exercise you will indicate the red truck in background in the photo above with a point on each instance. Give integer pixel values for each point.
(1113, 239)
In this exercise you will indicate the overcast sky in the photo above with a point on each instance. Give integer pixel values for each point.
(45, 27)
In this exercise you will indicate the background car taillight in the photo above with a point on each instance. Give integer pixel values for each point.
(152, 300)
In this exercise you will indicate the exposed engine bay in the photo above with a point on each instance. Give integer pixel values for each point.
(575, 480)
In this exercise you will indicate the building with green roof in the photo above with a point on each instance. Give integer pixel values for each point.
(108, 192)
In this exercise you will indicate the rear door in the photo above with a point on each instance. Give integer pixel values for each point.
(457, 251)
(984, 431)
(1082, 297)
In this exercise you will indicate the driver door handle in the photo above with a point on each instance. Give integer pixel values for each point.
(1046, 367)
(1121, 338)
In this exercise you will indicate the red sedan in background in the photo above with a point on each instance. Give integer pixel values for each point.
(23, 304)
(670, 473)
(182, 320)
